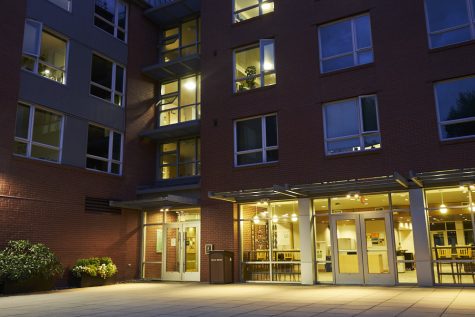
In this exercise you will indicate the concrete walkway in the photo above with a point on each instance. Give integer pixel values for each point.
(199, 299)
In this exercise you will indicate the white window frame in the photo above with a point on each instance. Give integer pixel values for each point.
(259, 5)
(116, 21)
(450, 122)
(70, 5)
(355, 50)
(261, 44)
(196, 161)
(36, 55)
(264, 148)
(178, 37)
(361, 133)
(109, 158)
(470, 24)
(112, 90)
(29, 141)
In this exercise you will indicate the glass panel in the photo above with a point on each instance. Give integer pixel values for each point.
(443, 14)
(188, 91)
(43, 153)
(53, 51)
(188, 113)
(348, 145)
(188, 169)
(191, 249)
(372, 142)
(272, 155)
(116, 146)
(269, 79)
(115, 168)
(169, 88)
(341, 119)
(65, 4)
(271, 130)
(363, 31)
(248, 64)
(168, 117)
(106, 9)
(169, 147)
(31, 37)
(376, 246)
(338, 63)
(458, 130)
(286, 272)
(106, 26)
(253, 82)
(370, 116)
(323, 246)
(100, 92)
(169, 172)
(47, 128)
(267, 7)
(189, 33)
(122, 14)
(119, 79)
(97, 164)
(51, 73)
(187, 150)
(269, 58)
(98, 141)
(242, 4)
(28, 63)
(336, 39)
(20, 148)
(256, 271)
(22, 121)
(173, 250)
(168, 159)
(249, 134)
(365, 57)
(347, 246)
(250, 158)
(101, 71)
(450, 37)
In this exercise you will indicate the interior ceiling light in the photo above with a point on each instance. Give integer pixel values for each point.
(190, 85)
(443, 208)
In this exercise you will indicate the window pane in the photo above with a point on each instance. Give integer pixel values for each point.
(187, 151)
(248, 64)
(51, 73)
(458, 130)
(188, 91)
(115, 168)
(250, 158)
(189, 33)
(96, 164)
(169, 88)
(188, 113)
(348, 145)
(338, 63)
(247, 14)
(450, 37)
(269, 59)
(20, 148)
(363, 31)
(22, 121)
(336, 39)
(242, 4)
(372, 142)
(119, 79)
(187, 170)
(272, 155)
(31, 37)
(109, 28)
(365, 57)
(47, 128)
(65, 4)
(116, 146)
(98, 141)
(169, 147)
(122, 12)
(106, 9)
(456, 99)
(168, 159)
(249, 134)
(100, 92)
(271, 130)
(53, 51)
(101, 71)
(368, 109)
(28, 63)
(43, 153)
(168, 172)
(443, 14)
(341, 119)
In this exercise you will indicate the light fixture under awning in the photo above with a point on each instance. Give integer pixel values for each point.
(169, 201)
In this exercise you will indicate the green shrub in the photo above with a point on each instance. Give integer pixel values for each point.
(100, 267)
(21, 260)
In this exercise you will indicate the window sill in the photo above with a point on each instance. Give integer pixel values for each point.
(245, 92)
(256, 166)
(113, 36)
(346, 70)
(451, 46)
(98, 172)
(251, 20)
(352, 154)
(457, 140)
(108, 102)
(43, 77)
(34, 159)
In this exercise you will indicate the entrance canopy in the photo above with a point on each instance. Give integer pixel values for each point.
(168, 201)
(276, 192)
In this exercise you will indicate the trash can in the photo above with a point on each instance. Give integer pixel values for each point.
(220, 267)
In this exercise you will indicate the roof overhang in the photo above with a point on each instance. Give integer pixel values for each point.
(444, 178)
(173, 131)
(279, 192)
(169, 201)
(168, 12)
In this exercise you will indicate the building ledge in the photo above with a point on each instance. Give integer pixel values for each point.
(165, 201)
(174, 131)
(167, 12)
(172, 185)
(173, 69)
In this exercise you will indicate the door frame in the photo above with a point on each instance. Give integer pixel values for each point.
(363, 276)
(181, 274)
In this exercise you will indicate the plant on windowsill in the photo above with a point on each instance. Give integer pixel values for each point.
(249, 82)
(28, 267)
(94, 272)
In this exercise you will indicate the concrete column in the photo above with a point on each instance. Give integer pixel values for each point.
(306, 242)
(421, 238)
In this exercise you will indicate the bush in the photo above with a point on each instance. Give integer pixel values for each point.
(22, 260)
(100, 267)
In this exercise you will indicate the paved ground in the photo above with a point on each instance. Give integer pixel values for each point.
(199, 299)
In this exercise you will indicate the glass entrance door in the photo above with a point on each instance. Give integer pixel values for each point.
(182, 252)
(364, 248)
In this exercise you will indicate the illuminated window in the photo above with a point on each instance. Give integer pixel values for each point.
(248, 9)
(180, 159)
(180, 41)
